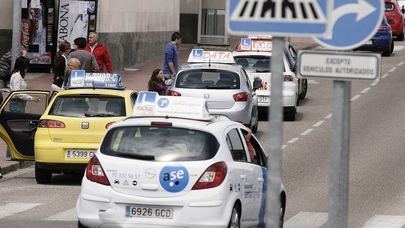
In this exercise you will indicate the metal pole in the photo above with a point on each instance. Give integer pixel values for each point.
(339, 161)
(276, 135)
(16, 39)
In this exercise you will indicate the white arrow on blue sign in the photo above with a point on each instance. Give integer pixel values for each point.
(279, 17)
(353, 22)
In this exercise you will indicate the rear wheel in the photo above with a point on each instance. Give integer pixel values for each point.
(256, 125)
(290, 113)
(234, 221)
(304, 89)
(389, 50)
(80, 225)
(400, 37)
(42, 176)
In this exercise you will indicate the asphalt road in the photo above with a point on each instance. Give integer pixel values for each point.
(377, 192)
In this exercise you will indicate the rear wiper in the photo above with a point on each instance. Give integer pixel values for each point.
(88, 114)
(218, 87)
(262, 71)
(136, 156)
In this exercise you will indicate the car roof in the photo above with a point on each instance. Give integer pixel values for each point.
(220, 66)
(113, 92)
(252, 53)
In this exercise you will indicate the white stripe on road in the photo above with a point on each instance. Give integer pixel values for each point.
(307, 220)
(355, 97)
(392, 69)
(366, 90)
(385, 75)
(400, 64)
(306, 132)
(398, 48)
(380, 221)
(69, 215)
(313, 82)
(375, 83)
(319, 123)
(14, 208)
(293, 140)
(283, 147)
(328, 116)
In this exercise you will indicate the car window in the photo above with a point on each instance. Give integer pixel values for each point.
(235, 145)
(88, 106)
(261, 158)
(22, 103)
(389, 7)
(160, 143)
(251, 64)
(208, 79)
(133, 98)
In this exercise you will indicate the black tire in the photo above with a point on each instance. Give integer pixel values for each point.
(80, 225)
(256, 126)
(303, 93)
(42, 176)
(290, 114)
(282, 212)
(389, 50)
(234, 221)
(400, 37)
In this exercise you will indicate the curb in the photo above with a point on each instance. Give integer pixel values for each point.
(14, 166)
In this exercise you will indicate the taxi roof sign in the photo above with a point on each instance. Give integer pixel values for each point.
(151, 104)
(81, 79)
(254, 44)
(201, 56)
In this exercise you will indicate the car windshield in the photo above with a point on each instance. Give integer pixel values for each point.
(159, 143)
(259, 64)
(208, 79)
(88, 106)
(389, 6)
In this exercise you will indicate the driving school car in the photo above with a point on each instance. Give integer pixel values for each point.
(63, 131)
(254, 54)
(214, 76)
(173, 165)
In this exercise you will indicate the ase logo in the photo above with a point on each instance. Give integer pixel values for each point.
(173, 178)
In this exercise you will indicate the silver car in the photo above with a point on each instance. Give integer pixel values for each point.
(226, 87)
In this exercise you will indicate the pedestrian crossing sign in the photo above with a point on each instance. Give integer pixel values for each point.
(279, 17)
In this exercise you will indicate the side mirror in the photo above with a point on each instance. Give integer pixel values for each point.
(257, 83)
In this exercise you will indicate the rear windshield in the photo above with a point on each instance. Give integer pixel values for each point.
(88, 106)
(208, 79)
(159, 144)
(259, 64)
(389, 6)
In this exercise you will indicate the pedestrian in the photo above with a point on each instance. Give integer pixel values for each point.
(157, 82)
(72, 64)
(87, 60)
(59, 66)
(99, 51)
(251, 149)
(171, 57)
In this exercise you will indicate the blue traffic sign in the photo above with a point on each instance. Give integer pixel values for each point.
(353, 22)
(278, 17)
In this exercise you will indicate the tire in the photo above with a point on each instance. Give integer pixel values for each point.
(290, 114)
(389, 50)
(400, 37)
(282, 213)
(42, 176)
(80, 225)
(234, 221)
(303, 93)
(256, 126)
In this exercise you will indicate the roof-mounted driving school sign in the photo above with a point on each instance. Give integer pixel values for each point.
(279, 17)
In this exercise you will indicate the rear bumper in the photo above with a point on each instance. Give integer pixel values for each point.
(62, 167)
(240, 112)
(289, 99)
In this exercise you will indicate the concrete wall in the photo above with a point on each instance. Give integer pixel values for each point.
(6, 24)
(136, 30)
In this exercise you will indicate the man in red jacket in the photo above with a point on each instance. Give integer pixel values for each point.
(100, 52)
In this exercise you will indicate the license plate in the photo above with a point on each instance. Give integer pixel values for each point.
(149, 212)
(262, 99)
(79, 154)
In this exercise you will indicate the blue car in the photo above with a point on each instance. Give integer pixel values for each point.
(382, 41)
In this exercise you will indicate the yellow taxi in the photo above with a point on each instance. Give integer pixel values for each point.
(62, 131)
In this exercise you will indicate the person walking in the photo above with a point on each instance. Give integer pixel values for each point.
(87, 60)
(171, 58)
(157, 82)
(59, 66)
(99, 51)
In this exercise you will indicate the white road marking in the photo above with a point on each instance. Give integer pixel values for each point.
(14, 208)
(390, 221)
(398, 48)
(400, 64)
(366, 90)
(306, 132)
(375, 83)
(68, 215)
(355, 97)
(293, 140)
(319, 123)
(311, 81)
(307, 220)
(283, 147)
(392, 69)
(385, 75)
(328, 116)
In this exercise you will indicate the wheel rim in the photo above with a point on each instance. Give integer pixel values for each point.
(234, 219)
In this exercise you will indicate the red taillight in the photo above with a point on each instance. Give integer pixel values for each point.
(242, 96)
(108, 125)
(161, 123)
(51, 124)
(288, 78)
(173, 93)
(212, 177)
(95, 172)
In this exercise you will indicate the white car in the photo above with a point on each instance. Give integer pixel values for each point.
(165, 169)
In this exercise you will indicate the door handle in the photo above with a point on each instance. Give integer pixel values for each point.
(243, 177)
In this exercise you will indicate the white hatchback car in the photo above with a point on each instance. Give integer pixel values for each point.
(159, 170)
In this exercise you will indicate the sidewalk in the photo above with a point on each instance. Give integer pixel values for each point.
(136, 79)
